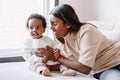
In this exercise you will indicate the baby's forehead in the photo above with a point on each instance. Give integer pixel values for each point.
(36, 20)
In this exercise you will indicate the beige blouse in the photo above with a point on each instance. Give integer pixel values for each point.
(91, 48)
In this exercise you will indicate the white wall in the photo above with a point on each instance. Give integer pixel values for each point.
(102, 10)
(108, 10)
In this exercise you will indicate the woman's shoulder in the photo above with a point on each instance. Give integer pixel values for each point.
(85, 28)
(88, 26)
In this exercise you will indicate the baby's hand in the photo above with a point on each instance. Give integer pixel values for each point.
(45, 59)
(39, 54)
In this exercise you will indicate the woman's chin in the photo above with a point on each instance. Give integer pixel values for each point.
(57, 36)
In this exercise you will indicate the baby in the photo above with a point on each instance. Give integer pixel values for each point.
(36, 25)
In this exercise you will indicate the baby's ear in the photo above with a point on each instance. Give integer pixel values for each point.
(44, 30)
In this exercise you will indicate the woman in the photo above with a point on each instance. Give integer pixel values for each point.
(84, 47)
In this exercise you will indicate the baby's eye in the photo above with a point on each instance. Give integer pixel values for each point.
(38, 27)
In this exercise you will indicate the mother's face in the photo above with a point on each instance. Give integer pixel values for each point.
(59, 28)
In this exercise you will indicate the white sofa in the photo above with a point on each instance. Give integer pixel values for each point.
(18, 70)
(110, 29)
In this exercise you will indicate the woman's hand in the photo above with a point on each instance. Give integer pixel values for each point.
(57, 53)
(49, 53)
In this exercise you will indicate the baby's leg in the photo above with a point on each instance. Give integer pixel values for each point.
(67, 72)
(46, 72)
(40, 68)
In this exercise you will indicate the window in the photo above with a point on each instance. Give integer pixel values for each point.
(13, 16)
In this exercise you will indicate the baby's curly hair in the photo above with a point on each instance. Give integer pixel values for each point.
(37, 16)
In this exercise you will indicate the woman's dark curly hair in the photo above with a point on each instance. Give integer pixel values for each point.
(36, 16)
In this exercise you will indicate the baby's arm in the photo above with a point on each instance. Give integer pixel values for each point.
(40, 53)
(29, 53)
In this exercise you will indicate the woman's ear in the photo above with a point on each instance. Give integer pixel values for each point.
(67, 25)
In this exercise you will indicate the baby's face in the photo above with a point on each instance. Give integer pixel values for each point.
(36, 28)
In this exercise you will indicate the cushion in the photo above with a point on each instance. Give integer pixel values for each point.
(103, 25)
(113, 35)
(12, 59)
(11, 55)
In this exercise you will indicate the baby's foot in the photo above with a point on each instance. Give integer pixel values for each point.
(69, 72)
(46, 72)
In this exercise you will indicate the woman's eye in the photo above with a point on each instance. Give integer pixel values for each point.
(54, 24)
(37, 27)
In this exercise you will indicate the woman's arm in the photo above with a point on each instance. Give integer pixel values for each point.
(73, 64)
